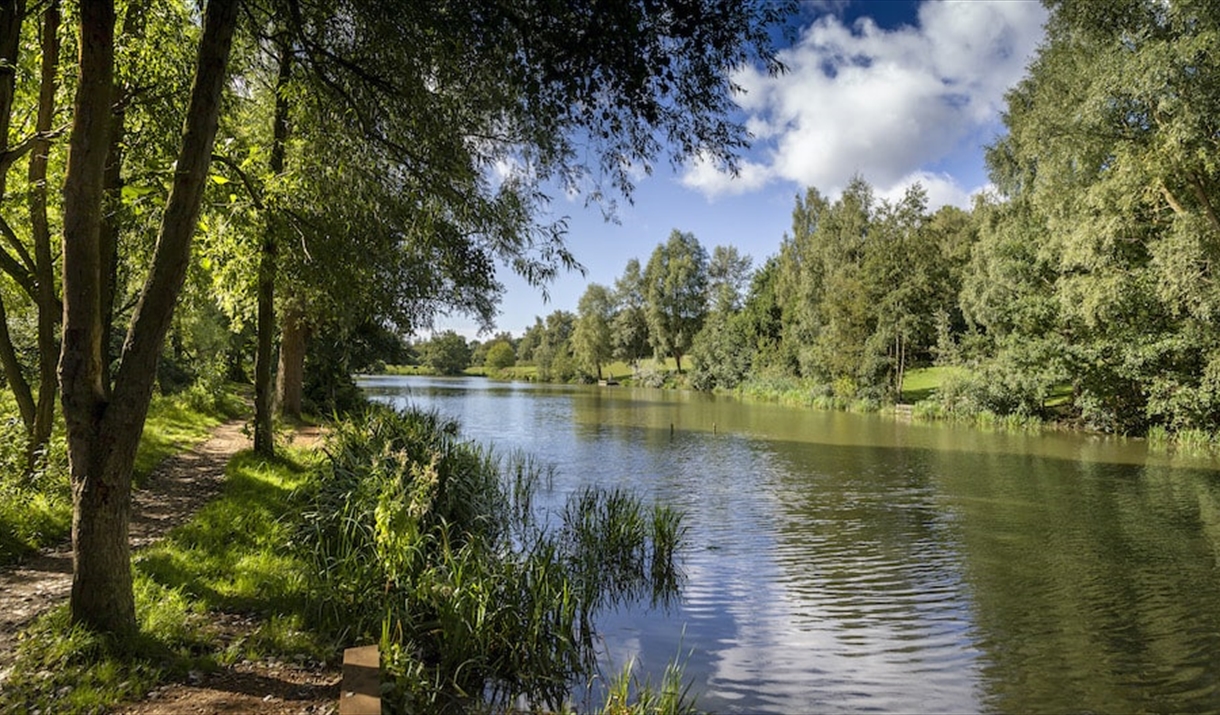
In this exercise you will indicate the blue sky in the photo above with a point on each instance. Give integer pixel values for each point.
(892, 90)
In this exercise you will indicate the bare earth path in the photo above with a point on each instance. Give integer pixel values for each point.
(177, 488)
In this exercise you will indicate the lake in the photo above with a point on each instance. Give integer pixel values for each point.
(846, 562)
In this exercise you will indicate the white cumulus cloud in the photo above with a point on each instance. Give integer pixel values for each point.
(886, 104)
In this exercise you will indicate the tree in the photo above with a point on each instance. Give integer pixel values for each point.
(553, 355)
(675, 285)
(472, 84)
(505, 96)
(591, 339)
(629, 326)
(728, 276)
(1120, 197)
(447, 353)
(500, 356)
(104, 422)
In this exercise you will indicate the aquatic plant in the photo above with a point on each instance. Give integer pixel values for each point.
(433, 545)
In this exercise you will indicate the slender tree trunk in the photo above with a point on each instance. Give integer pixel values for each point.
(12, 13)
(49, 311)
(134, 22)
(103, 426)
(290, 377)
(264, 440)
(13, 375)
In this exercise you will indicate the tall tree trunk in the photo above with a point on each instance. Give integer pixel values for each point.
(104, 426)
(49, 311)
(290, 378)
(12, 13)
(134, 22)
(264, 439)
(101, 586)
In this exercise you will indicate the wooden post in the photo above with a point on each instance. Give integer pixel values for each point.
(360, 693)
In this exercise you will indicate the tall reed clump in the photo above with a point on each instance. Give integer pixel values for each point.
(430, 543)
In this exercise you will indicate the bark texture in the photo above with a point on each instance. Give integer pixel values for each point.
(290, 377)
(264, 438)
(103, 425)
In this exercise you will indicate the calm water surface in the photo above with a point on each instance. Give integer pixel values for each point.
(841, 562)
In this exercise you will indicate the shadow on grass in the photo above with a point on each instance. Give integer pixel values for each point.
(233, 557)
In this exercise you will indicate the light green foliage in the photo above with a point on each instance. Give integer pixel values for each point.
(553, 352)
(675, 290)
(728, 276)
(500, 356)
(627, 695)
(857, 288)
(591, 339)
(429, 542)
(1106, 245)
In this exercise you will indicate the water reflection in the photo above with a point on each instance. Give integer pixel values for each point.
(847, 562)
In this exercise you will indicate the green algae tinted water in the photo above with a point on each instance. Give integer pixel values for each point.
(841, 562)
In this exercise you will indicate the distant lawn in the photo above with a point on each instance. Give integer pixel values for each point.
(920, 383)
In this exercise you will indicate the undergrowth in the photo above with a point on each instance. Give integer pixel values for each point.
(428, 544)
(36, 505)
(406, 535)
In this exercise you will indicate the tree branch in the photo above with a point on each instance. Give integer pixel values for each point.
(1200, 191)
(245, 180)
(22, 274)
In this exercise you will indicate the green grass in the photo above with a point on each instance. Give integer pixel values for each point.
(920, 383)
(232, 557)
(173, 426)
(36, 512)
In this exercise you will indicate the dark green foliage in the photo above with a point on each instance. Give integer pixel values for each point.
(722, 353)
(337, 354)
(447, 353)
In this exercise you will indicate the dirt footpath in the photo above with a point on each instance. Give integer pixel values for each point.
(177, 488)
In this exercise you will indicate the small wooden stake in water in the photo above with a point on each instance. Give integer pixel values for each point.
(713, 428)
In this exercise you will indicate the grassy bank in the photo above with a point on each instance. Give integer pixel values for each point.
(36, 508)
(231, 558)
(404, 534)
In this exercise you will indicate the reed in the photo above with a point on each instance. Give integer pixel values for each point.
(435, 547)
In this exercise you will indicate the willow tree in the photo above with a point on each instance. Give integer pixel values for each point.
(448, 92)
(1125, 190)
(569, 96)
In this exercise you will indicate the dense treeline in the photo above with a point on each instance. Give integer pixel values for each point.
(1080, 288)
